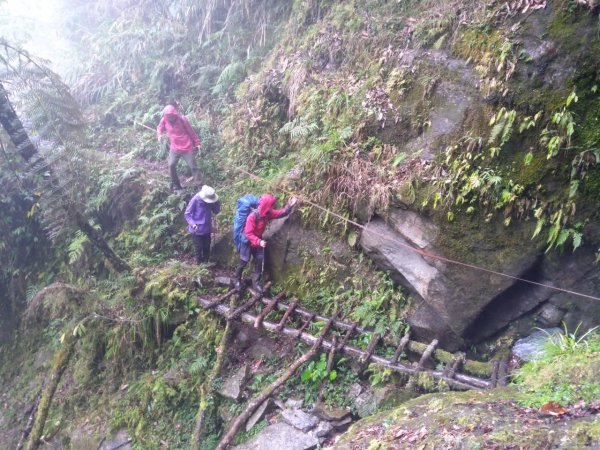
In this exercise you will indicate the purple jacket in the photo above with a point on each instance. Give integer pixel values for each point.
(198, 212)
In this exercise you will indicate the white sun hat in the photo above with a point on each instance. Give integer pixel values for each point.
(208, 194)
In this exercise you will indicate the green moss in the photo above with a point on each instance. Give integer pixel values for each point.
(567, 374)
(586, 434)
(567, 28)
(483, 369)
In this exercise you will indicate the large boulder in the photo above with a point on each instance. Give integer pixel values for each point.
(416, 251)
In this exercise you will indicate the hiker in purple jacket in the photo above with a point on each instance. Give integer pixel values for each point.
(198, 215)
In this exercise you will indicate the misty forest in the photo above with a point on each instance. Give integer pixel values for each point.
(299, 224)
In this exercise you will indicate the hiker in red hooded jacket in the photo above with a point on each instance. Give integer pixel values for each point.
(183, 139)
(254, 245)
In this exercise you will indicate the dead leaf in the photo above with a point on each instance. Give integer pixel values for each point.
(552, 409)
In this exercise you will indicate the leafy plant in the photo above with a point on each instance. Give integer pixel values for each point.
(569, 342)
(316, 372)
(565, 373)
(298, 129)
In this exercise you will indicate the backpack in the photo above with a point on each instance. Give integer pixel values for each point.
(244, 207)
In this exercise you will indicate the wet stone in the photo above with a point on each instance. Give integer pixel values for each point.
(324, 412)
(225, 281)
(280, 436)
(234, 385)
(299, 419)
(264, 408)
(532, 347)
(294, 403)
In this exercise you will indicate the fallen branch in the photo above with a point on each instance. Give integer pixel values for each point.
(29, 424)
(206, 388)
(266, 392)
(59, 365)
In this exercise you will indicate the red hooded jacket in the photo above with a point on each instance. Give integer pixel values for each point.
(255, 226)
(182, 136)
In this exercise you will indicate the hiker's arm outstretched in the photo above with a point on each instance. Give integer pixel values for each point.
(283, 212)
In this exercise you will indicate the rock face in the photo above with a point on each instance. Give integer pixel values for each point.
(452, 296)
(260, 412)
(459, 303)
(280, 436)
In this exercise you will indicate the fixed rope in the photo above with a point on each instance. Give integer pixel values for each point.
(419, 251)
(411, 248)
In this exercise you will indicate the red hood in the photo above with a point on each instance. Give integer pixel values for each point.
(265, 204)
(170, 109)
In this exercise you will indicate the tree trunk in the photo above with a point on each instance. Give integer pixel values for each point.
(59, 365)
(206, 388)
(19, 137)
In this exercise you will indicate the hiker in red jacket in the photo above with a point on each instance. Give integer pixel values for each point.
(254, 245)
(183, 139)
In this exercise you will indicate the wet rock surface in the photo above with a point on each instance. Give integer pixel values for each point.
(233, 386)
(532, 347)
(280, 436)
(266, 407)
(485, 419)
(299, 419)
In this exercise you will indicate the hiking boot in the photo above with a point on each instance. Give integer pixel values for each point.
(237, 285)
(257, 285)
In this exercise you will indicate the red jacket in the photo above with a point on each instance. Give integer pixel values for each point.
(255, 226)
(182, 136)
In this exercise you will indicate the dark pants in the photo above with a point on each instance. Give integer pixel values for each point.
(202, 247)
(245, 253)
(190, 159)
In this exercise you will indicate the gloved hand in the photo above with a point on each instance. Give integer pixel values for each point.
(194, 227)
(293, 201)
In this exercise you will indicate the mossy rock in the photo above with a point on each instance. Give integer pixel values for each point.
(482, 419)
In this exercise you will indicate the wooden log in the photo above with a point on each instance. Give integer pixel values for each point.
(268, 309)
(206, 387)
(478, 368)
(59, 365)
(503, 371)
(474, 367)
(427, 353)
(452, 367)
(290, 309)
(30, 420)
(249, 304)
(364, 361)
(401, 347)
(219, 300)
(347, 337)
(494, 377)
(266, 393)
(462, 381)
(306, 323)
